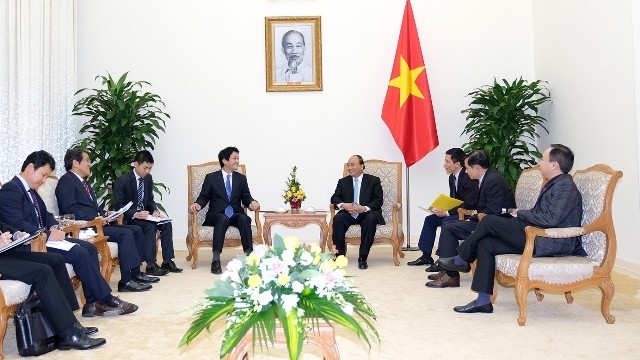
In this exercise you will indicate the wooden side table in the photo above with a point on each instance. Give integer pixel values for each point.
(323, 337)
(296, 220)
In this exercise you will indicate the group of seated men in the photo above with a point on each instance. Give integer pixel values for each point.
(22, 210)
(502, 231)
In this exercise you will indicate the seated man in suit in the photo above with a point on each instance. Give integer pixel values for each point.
(48, 276)
(136, 186)
(226, 191)
(22, 208)
(359, 198)
(75, 196)
(461, 187)
(494, 195)
(559, 205)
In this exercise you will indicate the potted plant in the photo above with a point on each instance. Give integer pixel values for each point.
(122, 119)
(503, 121)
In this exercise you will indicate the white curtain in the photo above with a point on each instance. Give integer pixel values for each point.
(37, 80)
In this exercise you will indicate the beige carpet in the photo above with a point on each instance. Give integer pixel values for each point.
(414, 322)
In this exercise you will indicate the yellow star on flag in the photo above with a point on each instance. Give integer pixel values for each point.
(406, 82)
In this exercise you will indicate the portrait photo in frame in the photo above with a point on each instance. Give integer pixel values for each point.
(293, 53)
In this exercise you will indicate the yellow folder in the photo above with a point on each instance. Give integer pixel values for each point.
(443, 202)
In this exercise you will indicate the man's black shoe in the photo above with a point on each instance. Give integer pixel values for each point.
(155, 270)
(170, 267)
(362, 264)
(216, 268)
(78, 340)
(422, 260)
(143, 278)
(449, 265)
(433, 268)
(473, 307)
(133, 286)
(86, 330)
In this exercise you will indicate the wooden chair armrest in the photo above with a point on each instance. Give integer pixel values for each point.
(256, 218)
(73, 230)
(39, 244)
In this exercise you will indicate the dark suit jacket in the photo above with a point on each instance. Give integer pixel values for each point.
(17, 210)
(73, 198)
(559, 205)
(370, 194)
(495, 194)
(467, 191)
(214, 193)
(126, 189)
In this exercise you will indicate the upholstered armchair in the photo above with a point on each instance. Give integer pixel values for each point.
(565, 274)
(199, 235)
(390, 174)
(13, 292)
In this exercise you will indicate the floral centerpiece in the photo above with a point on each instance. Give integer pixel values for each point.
(295, 283)
(293, 194)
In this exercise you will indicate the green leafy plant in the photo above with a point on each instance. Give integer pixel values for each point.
(291, 283)
(122, 120)
(503, 121)
(293, 193)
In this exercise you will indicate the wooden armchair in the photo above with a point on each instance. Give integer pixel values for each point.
(565, 274)
(48, 193)
(198, 235)
(390, 174)
(13, 292)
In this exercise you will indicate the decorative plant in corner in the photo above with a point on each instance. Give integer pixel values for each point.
(122, 120)
(503, 120)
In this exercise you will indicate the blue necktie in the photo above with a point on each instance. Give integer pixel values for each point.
(228, 210)
(356, 195)
(140, 194)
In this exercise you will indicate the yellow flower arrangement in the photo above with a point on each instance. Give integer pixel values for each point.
(293, 193)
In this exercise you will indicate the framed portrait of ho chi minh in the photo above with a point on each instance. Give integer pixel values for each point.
(293, 52)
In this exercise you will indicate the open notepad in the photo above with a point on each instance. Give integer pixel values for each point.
(443, 202)
(158, 220)
(119, 212)
(21, 241)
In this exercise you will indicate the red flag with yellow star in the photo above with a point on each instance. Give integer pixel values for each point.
(407, 109)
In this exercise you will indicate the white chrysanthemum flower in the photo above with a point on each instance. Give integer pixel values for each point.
(287, 257)
(260, 250)
(263, 298)
(234, 265)
(306, 258)
(289, 302)
(297, 286)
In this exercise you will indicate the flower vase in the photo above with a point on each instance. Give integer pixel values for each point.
(295, 205)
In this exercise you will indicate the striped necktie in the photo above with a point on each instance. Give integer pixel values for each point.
(36, 205)
(227, 185)
(140, 194)
(356, 194)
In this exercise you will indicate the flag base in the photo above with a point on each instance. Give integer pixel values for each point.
(410, 248)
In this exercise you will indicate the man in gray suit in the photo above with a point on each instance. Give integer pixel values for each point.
(559, 205)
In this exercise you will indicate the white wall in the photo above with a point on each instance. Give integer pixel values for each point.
(585, 50)
(206, 59)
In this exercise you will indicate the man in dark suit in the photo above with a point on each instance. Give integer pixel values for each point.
(48, 276)
(359, 198)
(76, 197)
(461, 187)
(226, 191)
(494, 195)
(559, 205)
(136, 187)
(22, 208)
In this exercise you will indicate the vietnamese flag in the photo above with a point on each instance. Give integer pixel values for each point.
(407, 109)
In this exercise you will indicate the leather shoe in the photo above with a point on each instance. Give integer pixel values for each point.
(99, 309)
(143, 278)
(362, 264)
(133, 286)
(86, 330)
(436, 276)
(170, 267)
(216, 268)
(155, 270)
(423, 260)
(79, 341)
(126, 307)
(448, 264)
(473, 307)
(433, 268)
(444, 282)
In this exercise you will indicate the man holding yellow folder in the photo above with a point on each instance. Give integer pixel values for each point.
(461, 187)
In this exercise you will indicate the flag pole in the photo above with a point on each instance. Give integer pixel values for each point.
(408, 247)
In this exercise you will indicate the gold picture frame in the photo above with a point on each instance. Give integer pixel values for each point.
(293, 52)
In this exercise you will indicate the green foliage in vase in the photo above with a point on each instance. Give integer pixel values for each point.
(122, 119)
(503, 121)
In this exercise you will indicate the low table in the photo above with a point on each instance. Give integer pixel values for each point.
(296, 220)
